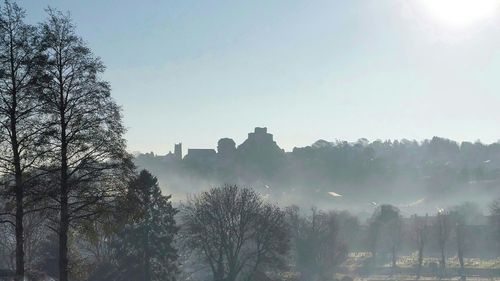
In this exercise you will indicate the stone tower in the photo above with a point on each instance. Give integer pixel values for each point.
(178, 151)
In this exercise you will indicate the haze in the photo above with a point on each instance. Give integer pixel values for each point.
(348, 140)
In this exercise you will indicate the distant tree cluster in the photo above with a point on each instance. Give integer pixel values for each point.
(439, 168)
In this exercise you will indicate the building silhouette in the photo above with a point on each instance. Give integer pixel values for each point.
(200, 156)
(226, 148)
(260, 142)
(178, 151)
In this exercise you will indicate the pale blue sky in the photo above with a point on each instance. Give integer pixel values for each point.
(196, 71)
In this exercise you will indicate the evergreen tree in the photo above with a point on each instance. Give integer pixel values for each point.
(144, 247)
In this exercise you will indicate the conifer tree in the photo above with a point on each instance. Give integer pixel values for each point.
(144, 247)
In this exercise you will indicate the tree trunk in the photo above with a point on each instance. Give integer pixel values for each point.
(63, 226)
(443, 259)
(442, 263)
(19, 189)
(64, 190)
(147, 230)
(394, 259)
(147, 257)
(19, 192)
(420, 259)
(147, 268)
(19, 230)
(460, 253)
(63, 240)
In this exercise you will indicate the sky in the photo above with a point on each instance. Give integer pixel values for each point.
(196, 71)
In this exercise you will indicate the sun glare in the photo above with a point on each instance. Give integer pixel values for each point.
(461, 12)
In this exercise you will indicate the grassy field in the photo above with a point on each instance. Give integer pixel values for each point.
(412, 278)
(476, 269)
(357, 259)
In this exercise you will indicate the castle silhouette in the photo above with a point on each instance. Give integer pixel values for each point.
(258, 140)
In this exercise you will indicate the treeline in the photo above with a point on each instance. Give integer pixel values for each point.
(363, 171)
(439, 164)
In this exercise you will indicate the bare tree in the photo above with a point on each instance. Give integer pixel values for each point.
(420, 238)
(443, 229)
(85, 132)
(235, 232)
(462, 215)
(460, 246)
(20, 130)
(495, 220)
(385, 231)
(319, 247)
